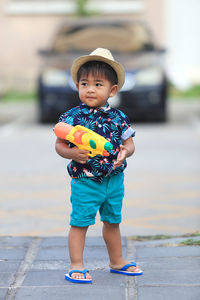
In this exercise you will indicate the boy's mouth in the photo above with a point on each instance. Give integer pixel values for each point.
(90, 98)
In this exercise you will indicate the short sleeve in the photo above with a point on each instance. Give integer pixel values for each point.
(127, 130)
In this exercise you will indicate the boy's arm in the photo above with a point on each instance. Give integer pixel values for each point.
(126, 149)
(62, 148)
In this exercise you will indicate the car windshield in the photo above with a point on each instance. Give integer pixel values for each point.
(119, 38)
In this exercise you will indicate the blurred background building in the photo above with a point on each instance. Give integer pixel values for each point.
(29, 25)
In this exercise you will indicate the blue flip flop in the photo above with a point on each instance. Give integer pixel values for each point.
(124, 268)
(84, 280)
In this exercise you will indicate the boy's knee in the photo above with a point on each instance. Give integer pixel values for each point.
(111, 225)
(79, 227)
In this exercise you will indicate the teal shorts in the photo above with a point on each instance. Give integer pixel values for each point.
(88, 197)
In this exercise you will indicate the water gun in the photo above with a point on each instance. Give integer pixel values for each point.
(83, 138)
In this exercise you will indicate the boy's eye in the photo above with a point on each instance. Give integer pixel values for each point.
(84, 83)
(98, 84)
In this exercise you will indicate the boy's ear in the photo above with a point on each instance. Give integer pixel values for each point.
(114, 90)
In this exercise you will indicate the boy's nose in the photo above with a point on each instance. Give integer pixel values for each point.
(90, 88)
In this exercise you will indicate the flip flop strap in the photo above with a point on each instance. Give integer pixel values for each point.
(132, 264)
(79, 271)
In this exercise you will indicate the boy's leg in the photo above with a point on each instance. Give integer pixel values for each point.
(112, 238)
(76, 242)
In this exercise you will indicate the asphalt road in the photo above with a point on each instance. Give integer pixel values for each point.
(162, 178)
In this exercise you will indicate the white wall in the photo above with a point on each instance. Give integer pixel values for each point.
(182, 29)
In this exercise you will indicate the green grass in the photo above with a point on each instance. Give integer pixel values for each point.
(160, 237)
(15, 96)
(82, 9)
(191, 93)
(197, 233)
(190, 242)
(150, 237)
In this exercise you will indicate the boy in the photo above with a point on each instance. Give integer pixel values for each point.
(98, 182)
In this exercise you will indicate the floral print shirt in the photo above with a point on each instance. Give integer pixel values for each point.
(109, 122)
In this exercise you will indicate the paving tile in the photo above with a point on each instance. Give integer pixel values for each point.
(12, 241)
(45, 278)
(184, 251)
(3, 292)
(170, 263)
(77, 291)
(53, 253)
(106, 279)
(169, 293)
(9, 266)
(12, 253)
(6, 279)
(163, 277)
(50, 265)
(54, 242)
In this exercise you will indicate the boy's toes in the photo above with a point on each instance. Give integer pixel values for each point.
(134, 269)
(88, 276)
(77, 275)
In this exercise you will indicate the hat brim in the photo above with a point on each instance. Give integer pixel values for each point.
(114, 64)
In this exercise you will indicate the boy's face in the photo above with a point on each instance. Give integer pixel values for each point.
(95, 91)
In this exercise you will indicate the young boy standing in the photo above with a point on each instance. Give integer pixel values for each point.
(97, 183)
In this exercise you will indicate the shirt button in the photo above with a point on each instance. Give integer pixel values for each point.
(100, 125)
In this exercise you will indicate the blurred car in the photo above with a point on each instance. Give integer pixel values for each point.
(144, 94)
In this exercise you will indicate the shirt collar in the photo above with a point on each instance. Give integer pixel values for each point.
(89, 110)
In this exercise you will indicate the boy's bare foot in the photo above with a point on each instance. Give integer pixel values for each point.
(122, 263)
(77, 275)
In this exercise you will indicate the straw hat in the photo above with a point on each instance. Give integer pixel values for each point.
(99, 54)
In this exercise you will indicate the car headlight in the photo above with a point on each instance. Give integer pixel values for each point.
(150, 76)
(53, 78)
(129, 83)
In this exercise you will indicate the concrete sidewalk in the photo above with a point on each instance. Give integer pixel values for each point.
(33, 268)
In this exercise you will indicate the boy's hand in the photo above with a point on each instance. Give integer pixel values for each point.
(126, 150)
(80, 156)
(63, 149)
(122, 155)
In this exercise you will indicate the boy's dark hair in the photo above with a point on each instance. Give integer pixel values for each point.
(98, 68)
